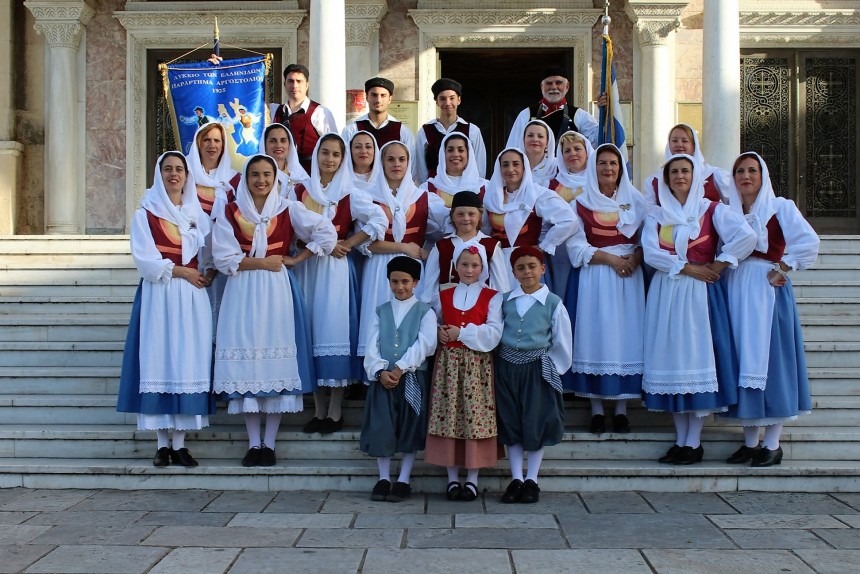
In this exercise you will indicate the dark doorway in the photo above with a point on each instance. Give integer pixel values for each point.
(498, 84)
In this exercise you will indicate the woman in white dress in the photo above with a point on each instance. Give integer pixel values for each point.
(278, 144)
(538, 143)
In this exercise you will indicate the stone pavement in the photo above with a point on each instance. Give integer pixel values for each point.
(190, 531)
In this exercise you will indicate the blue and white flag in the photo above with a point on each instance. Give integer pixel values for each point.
(232, 93)
(611, 116)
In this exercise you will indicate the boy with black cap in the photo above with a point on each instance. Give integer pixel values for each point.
(447, 94)
(377, 121)
(553, 109)
(402, 338)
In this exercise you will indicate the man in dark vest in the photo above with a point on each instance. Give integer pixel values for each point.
(306, 119)
(554, 109)
(377, 121)
(447, 94)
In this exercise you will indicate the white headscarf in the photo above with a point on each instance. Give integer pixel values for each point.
(474, 243)
(407, 192)
(470, 180)
(685, 219)
(520, 204)
(192, 221)
(544, 171)
(762, 209)
(339, 187)
(628, 202)
(275, 204)
(698, 159)
(220, 177)
(564, 175)
(295, 172)
(357, 180)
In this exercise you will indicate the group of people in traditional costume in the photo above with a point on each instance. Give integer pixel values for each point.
(468, 306)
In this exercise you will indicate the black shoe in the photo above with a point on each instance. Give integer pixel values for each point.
(162, 457)
(767, 457)
(620, 424)
(671, 455)
(267, 456)
(454, 491)
(744, 454)
(400, 491)
(380, 490)
(531, 492)
(513, 492)
(252, 457)
(329, 426)
(689, 455)
(470, 492)
(598, 424)
(312, 426)
(182, 457)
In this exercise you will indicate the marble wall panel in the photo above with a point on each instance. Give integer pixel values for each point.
(398, 48)
(621, 32)
(29, 100)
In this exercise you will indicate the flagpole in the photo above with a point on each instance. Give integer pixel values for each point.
(217, 41)
(606, 19)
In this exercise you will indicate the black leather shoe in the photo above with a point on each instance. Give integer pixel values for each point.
(671, 455)
(380, 490)
(620, 424)
(454, 491)
(329, 426)
(267, 456)
(162, 457)
(598, 424)
(400, 491)
(531, 492)
(767, 457)
(183, 457)
(689, 455)
(513, 492)
(312, 426)
(470, 492)
(743, 455)
(252, 457)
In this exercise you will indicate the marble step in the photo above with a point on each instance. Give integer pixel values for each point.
(61, 354)
(830, 289)
(70, 287)
(51, 380)
(70, 327)
(47, 275)
(66, 305)
(72, 244)
(828, 306)
(834, 328)
(841, 271)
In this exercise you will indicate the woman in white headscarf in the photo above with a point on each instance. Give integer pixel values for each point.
(607, 303)
(167, 360)
(264, 360)
(329, 283)
(773, 382)
(209, 164)
(278, 144)
(538, 143)
(690, 361)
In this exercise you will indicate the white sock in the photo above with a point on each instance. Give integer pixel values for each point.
(621, 408)
(252, 425)
(751, 436)
(384, 465)
(535, 458)
(515, 459)
(694, 430)
(334, 406)
(472, 475)
(163, 437)
(319, 403)
(273, 421)
(453, 474)
(682, 423)
(596, 407)
(771, 436)
(178, 439)
(406, 467)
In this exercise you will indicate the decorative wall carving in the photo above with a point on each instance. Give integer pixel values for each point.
(62, 23)
(361, 32)
(503, 17)
(655, 32)
(655, 21)
(817, 18)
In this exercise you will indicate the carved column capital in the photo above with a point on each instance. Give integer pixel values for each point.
(366, 10)
(361, 32)
(61, 21)
(654, 21)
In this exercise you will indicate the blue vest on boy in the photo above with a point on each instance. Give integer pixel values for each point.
(534, 330)
(394, 341)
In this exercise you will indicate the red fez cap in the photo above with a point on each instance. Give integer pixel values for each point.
(526, 251)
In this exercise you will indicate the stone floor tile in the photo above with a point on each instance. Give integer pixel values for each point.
(775, 539)
(351, 538)
(850, 498)
(382, 520)
(168, 500)
(505, 521)
(196, 561)
(663, 530)
(286, 520)
(303, 502)
(225, 537)
(724, 562)
(688, 502)
(560, 503)
(240, 501)
(87, 518)
(68, 534)
(831, 561)
(98, 560)
(615, 503)
(16, 557)
(785, 503)
(9, 494)
(775, 521)
(164, 518)
(852, 520)
(842, 539)
(357, 502)
(602, 561)
(11, 534)
(47, 499)
(298, 560)
(415, 561)
(503, 538)
(16, 517)
(438, 504)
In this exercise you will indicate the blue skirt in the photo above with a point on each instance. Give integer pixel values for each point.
(131, 400)
(339, 366)
(725, 357)
(786, 393)
(391, 425)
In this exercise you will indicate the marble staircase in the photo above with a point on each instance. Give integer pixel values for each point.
(64, 304)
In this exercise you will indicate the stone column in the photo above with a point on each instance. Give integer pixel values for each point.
(328, 56)
(62, 22)
(10, 150)
(655, 25)
(721, 98)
